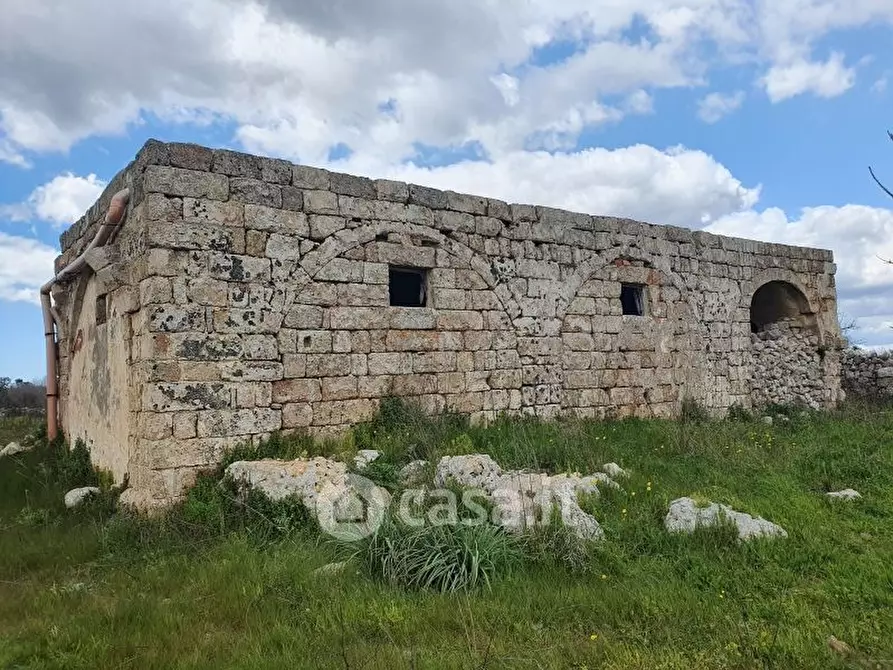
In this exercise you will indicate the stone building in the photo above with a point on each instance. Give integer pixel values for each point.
(246, 295)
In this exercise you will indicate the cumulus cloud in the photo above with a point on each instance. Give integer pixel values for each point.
(60, 201)
(382, 76)
(678, 186)
(714, 106)
(25, 265)
(824, 79)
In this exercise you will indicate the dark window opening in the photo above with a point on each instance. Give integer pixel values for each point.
(101, 309)
(408, 287)
(632, 297)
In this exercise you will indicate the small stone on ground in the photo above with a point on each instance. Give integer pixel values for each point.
(76, 497)
(366, 456)
(846, 494)
(614, 471)
(12, 449)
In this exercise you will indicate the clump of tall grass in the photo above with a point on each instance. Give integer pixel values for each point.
(444, 558)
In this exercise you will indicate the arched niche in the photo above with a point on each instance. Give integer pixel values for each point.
(780, 303)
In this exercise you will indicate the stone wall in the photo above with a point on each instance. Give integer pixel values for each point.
(260, 300)
(787, 367)
(868, 374)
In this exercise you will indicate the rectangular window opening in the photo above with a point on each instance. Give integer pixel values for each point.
(632, 297)
(101, 309)
(408, 286)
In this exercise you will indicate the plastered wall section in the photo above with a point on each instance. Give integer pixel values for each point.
(97, 403)
(263, 304)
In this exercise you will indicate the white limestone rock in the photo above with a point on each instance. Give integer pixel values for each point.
(614, 471)
(366, 456)
(685, 516)
(347, 506)
(846, 494)
(477, 471)
(76, 497)
(413, 473)
(14, 448)
(524, 500)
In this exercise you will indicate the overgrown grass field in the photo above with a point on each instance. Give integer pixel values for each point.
(220, 583)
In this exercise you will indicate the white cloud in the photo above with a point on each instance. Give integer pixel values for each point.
(61, 201)
(880, 85)
(714, 106)
(677, 186)
(824, 79)
(25, 265)
(65, 198)
(299, 77)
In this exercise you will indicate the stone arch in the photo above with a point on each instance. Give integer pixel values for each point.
(780, 301)
(624, 365)
(787, 356)
(458, 352)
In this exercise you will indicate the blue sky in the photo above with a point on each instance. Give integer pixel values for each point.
(739, 116)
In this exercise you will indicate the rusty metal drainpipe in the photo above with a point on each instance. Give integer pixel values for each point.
(51, 322)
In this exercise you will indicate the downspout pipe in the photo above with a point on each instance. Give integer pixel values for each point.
(114, 217)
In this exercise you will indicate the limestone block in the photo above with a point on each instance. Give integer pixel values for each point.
(184, 425)
(297, 390)
(189, 156)
(394, 191)
(283, 247)
(320, 202)
(255, 191)
(159, 207)
(185, 183)
(248, 321)
(339, 388)
(327, 365)
(358, 318)
(411, 318)
(435, 361)
(196, 236)
(235, 164)
(323, 226)
(155, 426)
(228, 423)
(275, 171)
(275, 220)
(363, 295)
(212, 211)
(170, 396)
(175, 318)
(427, 197)
(297, 415)
(390, 363)
(306, 177)
(155, 290)
(292, 198)
(413, 340)
(341, 270)
(251, 371)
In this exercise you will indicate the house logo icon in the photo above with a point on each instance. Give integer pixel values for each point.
(352, 510)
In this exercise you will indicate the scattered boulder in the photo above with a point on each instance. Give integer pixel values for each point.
(685, 516)
(414, 473)
(13, 448)
(76, 497)
(346, 505)
(366, 456)
(614, 471)
(768, 420)
(477, 471)
(846, 494)
(526, 499)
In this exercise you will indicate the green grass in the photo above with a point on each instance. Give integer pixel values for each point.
(226, 583)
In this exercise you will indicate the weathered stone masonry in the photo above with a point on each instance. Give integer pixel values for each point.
(246, 295)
